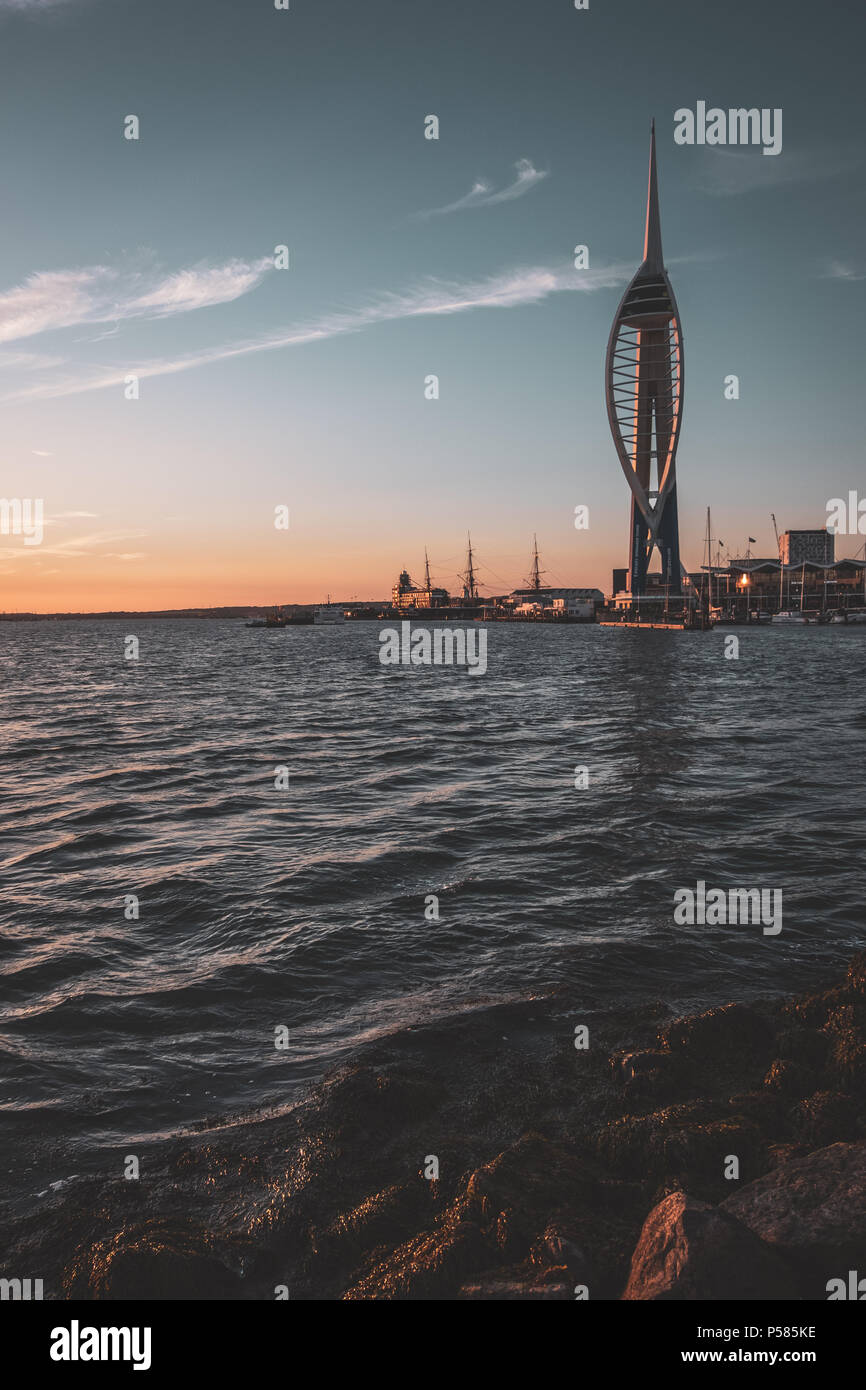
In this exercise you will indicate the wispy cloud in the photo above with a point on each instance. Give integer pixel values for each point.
(29, 360)
(843, 270)
(102, 337)
(433, 297)
(483, 194)
(54, 299)
(730, 173)
(31, 6)
(78, 547)
(200, 287)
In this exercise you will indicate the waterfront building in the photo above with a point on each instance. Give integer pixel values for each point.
(767, 586)
(619, 581)
(797, 546)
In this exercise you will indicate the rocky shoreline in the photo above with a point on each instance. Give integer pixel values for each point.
(563, 1171)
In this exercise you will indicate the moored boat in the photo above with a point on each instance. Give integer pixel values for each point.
(328, 613)
(275, 619)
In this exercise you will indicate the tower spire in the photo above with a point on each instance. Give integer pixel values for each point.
(644, 389)
(652, 246)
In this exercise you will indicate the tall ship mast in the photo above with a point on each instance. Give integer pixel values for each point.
(534, 580)
(470, 584)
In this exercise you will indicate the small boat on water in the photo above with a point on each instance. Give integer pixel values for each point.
(790, 616)
(275, 619)
(281, 619)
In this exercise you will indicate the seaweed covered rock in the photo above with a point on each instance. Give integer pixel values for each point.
(384, 1218)
(519, 1288)
(847, 1043)
(429, 1266)
(692, 1141)
(855, 976)
(824, 1117)
(647, 1072)
(155, 1261)
(807, 1046)
(519, 1191)
(790, 1078)
(719, 1034)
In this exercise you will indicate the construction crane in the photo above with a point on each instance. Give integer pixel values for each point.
(776, 529)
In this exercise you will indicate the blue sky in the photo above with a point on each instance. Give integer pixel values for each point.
(306, 387)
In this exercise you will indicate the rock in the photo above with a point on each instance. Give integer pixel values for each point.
(385, 1217)
(807, 1046)
(813, 1009)
(647, 1072)
(847, 1062)
(636, 1144)
(811, 1209)
(365, 1098)
(152, 1263)
(560, 1246)
(691, 1250)
(703, 1151)
(516, 1290)
(767, 1110)
(825, 1117)
(733, 1030)
(856, 975)
(428, 1266)
(691, 1140)
(842, 1023)
(518, 1192)
(790, 1078)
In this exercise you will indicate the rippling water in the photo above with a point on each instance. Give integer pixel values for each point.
(305, 907)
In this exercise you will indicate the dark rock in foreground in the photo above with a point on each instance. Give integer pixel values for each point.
(486, 1157)
(812, 1210)
(690, 1250)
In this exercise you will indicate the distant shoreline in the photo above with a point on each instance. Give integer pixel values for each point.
(244, 611)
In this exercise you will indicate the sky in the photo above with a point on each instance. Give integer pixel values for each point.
(304, 387)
